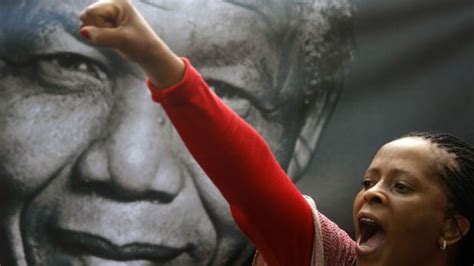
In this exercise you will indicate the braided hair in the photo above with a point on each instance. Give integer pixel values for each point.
(458, 177)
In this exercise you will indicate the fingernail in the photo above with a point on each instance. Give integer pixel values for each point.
(85, 34)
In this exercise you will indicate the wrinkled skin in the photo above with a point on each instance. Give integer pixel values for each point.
(92, 171)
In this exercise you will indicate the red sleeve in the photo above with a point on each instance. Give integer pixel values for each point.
(264, 202)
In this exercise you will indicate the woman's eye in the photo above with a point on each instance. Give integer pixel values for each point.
(402, 188)
(69, 72)
(367, 183)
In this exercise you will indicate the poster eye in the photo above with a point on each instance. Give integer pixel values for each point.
(232, 96)
(72, 62)
(67, 72)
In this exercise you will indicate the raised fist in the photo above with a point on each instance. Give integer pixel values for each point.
(118, 24)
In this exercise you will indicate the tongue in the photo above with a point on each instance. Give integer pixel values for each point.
(376, 240)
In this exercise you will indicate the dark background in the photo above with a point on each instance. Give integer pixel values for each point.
(413, 70)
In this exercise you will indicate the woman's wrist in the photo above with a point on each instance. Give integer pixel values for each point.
(163, 67)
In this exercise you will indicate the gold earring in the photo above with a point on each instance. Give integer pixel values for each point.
(443, 246)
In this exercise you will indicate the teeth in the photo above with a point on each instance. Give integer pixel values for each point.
(368, 221)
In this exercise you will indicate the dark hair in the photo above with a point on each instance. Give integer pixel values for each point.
(459, 182)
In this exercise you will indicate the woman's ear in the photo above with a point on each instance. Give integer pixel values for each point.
(454, 228)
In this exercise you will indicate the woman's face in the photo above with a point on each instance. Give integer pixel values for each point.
(400, 210)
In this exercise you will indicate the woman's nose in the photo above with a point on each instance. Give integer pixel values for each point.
(376, 195)
(137, 158)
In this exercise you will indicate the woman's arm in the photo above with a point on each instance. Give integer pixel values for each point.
(264, 202)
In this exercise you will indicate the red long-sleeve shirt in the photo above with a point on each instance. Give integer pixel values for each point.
(264, 202)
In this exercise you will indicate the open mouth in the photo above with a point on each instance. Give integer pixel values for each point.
(371, 235)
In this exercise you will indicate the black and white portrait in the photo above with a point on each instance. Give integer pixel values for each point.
(92, 171)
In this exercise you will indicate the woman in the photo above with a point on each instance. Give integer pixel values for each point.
(415, 207)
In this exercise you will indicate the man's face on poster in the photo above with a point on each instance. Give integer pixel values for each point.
(92, 171)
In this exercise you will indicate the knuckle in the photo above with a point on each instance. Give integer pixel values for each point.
(83, 15)
(90, 9)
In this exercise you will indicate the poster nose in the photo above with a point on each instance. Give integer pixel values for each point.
(137, 157)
